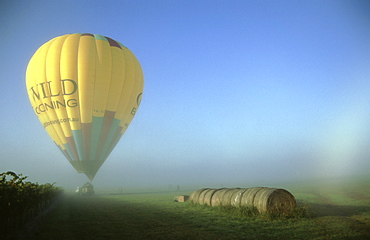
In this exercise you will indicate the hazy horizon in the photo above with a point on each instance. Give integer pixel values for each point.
(235, 92)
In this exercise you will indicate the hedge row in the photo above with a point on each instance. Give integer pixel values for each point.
(20, 200)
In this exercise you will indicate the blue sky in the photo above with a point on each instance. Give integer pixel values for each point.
(236, 92)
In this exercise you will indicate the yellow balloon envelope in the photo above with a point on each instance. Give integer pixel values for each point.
(85, 90)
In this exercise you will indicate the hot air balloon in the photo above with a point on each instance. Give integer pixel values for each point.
(85, 89)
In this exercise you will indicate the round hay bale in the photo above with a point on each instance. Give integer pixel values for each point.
(226, 198)
(218, 196)
(202, 195)
(194, 196)
(237, 197)
(275, 201)
(208, 196)
(247, 199)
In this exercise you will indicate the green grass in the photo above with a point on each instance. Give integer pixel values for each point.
(325, 212)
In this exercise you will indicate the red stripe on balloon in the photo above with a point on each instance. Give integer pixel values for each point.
(86, 129)
(113, 43)
(107, 123)
(72, 146)
(87, 34)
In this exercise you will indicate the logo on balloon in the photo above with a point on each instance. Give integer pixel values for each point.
(44, 90)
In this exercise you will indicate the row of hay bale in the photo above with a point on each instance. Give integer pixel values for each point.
(265, 200)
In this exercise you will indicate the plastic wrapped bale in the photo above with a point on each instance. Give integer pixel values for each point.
(227, 198)
(237, 197)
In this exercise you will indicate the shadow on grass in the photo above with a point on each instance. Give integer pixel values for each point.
(99, 217)
(324, 210)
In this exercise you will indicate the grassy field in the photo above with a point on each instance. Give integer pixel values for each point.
(338, 210)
